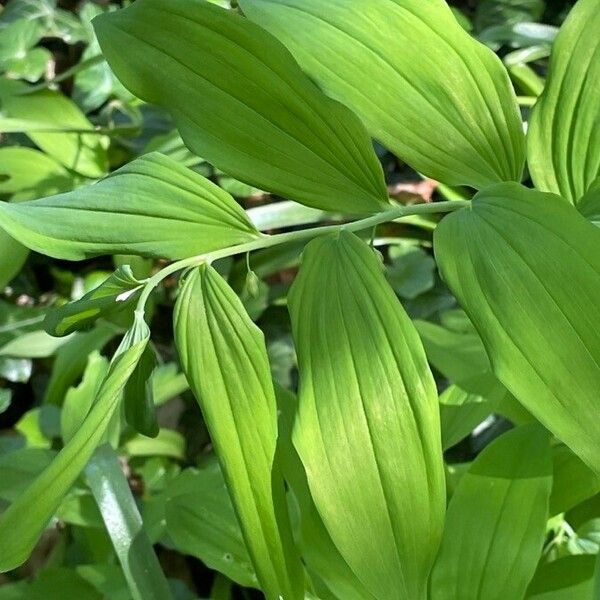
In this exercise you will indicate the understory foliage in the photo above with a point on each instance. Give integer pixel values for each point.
(301, 299)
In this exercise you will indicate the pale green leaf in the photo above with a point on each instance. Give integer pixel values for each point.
(496, 520)
(422, 85)
(525, 266)
(367, 429)
(564, 131)
(170, 212)
(241, 102)
(224, 357)
(83, 153)
(24, 521)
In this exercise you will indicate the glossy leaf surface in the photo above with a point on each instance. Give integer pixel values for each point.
(564, 131)
(496, 519)
(424, 88)
(225, 360)
(240, 101)
(170, 212)
(525, 266)
(365, 383)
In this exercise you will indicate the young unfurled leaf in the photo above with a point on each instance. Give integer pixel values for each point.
(240, 100)
(169, 212)
(116, 293)
(367, 429)
(224, 357)
(564, 131)
(422, 85)
(525, 266)
(496, 520)
(23, 522)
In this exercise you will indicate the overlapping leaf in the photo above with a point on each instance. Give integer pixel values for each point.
(23, 522)
(427, 90)
(153, 206)
(496, 520)
(367, 429)
(525, 266)
(225, 360)
(240, 101)
(564, 132)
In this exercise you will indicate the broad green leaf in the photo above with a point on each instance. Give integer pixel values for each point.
(170, 212)
(525, 266)
(83, 153)
(567, 578)
(31, 174)
(123, 522)
(411, 272)
(573, 480)
(24, 521)
(114, 294)
(323, 560)
(496, 520)
(589, 205)
(201, 522)
(224, 357)
(564, 131)
(422, 85)
(240, 101)
(35, 344)
(367, 429)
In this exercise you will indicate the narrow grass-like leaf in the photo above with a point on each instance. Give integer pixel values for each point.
(240, 100)
(25, 519)
(170, 212)
(496, 520)
(525, 266)
(563, 141)
(225, 360)
(367, 429)
(423, 86)
(123, 522)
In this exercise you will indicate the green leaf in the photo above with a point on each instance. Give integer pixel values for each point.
(224, 357)
(12, 258)
(124, 525)
(411, 272)
(496, 520)
(31, 173)
(589, 205)
(567, 578)
(367, 429)
(201, 522)
(573, 480)
(83, 153)
(170, 212)
(113, 295)
(24, 521)
(35, 344)
(422, 85)
(241, 102)
(166, 442)
(563, 140)
(525, 266)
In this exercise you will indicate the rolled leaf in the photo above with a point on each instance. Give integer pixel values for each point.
(367, 429)
(225, 360)
(525, 266)
(25, 519)
(240, 100)
(496, 520)
(563, 141)
(115, 293)
(422, 85)
(153, 207)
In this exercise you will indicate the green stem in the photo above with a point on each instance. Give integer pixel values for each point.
(268, 241)
(82, 66)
